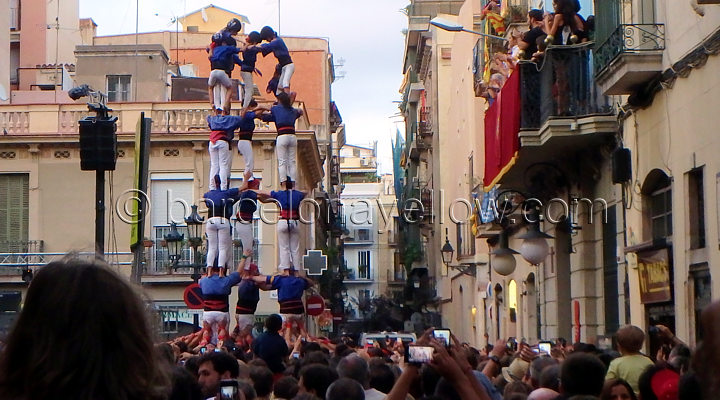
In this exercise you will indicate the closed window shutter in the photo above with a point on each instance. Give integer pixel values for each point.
(14, 204)
(163, 196)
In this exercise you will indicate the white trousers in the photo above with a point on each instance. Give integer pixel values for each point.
(217, 230)
(245, 149)
(245, 233)
(221, 83)
(288, 232)
(220, 163)
(286, 153)
(285, 75)
(249, 87)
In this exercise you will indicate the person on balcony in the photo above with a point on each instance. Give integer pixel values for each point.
(216, 293)
(284, 115)
(492, 13)
(528, 43)
(278, 47)
(565, 26)
(288, 228)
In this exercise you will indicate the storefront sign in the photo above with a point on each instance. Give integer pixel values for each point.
(655, 276)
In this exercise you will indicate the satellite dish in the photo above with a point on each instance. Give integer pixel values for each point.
(3, 93)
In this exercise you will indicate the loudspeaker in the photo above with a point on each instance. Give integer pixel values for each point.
(621, 165)
(10, 301)
(98, 144)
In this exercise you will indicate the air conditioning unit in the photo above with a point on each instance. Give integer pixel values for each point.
(364, 162)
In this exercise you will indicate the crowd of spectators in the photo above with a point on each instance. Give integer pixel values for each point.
(85, 333)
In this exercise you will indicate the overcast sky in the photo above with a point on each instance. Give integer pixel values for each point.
(366, 34)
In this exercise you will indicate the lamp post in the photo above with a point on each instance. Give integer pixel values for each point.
(447, 250)
(534, 248)
(503, 257)
(451, 26)
(173, 241)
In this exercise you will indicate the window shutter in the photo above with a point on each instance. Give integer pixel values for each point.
(14, 205)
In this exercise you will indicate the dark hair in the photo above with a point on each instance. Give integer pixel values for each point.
(317, 378)
(262, 379)
(164, 352)
(429, 377)
(689, 387)
(234, 25)
(284, 99)
(345, 389)
(184, 385)
(382, 377)
(222, 362)
(582, 373)
(568, 9)
(248, 390)
(536, 14)
(538, 365)
(516, 387)
(76, 316)
(354, 367)
(446, 390)
(273, 323)
(267, 33)
(253, 103)
(550, 378)
(609, 385)
(286, 387)
(191, 364)
(254, 37)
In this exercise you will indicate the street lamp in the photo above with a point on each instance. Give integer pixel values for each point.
(447, 250)
(174, 243)
(451, 26)
(194, 223)
(504, 257)
(534, 248)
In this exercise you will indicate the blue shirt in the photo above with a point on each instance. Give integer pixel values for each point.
(247, 205)
(220, 202)
(282, 116)
(279, 49)
(289, 287)
(247, 123)
(219, 285)
(248, 292)
(288, 199)
(224, 123)
(272, 349)
(249, 59)
(225, 58)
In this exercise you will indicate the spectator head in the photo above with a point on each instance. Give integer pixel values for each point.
(345, 389)
(706, 361)
(658, 383)
(243, 370)
(273, 323)
(535, 15)
(305, 396)
(164, 352)
(184, 385)
(382, 377)
(607, 356)
(191, 364)
(316, 378)
(267, 33)
(537, 366)
(355, 368)
(679, 358)
(630, 339)
(429, 378)
(550, 378)
(582, 374)
(213, 367)
(68, 299)
(689, 387)
(253, 38)
(517, 387)
(543, 394)
(247, 390)
(285, 388)
(262, 379)
(446, 391)
(516, 370)
(617, 389)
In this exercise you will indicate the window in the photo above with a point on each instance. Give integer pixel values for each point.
(363, 234)
(363, 296)
(696, 203)
(169, 195)
(118, 88)
(14, 15)
(702, 294)
(465, 240)
(661, 212)
(364, 265)
(14, 204)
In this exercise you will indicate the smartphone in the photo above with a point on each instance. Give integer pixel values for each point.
(203, 350)
(442, 336)
(370, 342)
(296, 355)
(545, 347)
(419, 354)
(512, 344)
(218, 350)
(228, 389)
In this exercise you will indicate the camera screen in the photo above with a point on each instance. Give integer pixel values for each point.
(420, 354)
(544, 347)
(228, 392)
(442, 336)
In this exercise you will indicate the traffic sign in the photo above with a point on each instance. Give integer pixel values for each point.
(193, 296)
(314, 305)
(315, 262)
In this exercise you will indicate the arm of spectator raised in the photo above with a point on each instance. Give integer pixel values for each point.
(402, 385)
(492, 368)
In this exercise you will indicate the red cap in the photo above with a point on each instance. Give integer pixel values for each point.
(665, 384)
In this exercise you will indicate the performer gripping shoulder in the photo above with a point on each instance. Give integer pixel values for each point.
(223, 58)
(246, 128)
(288, 227)
(247, 68)
(278, 47)
(248, 296)
(220, 208)
(284, 116)
(290, 287)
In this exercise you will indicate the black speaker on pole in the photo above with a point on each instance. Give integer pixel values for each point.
(621, 165)
(98, 144)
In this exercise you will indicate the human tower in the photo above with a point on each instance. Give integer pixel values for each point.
(224, 53)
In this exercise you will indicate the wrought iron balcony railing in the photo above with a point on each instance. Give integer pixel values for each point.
(629, 38)
(560, 86)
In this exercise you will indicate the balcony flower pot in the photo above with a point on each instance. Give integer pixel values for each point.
(147, 243)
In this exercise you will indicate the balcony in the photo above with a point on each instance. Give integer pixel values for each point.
(361, 276)
(396, 277)
(561, 112)
(425, 126)
(629, 58)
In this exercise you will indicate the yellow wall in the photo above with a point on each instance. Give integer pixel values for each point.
(215, 20)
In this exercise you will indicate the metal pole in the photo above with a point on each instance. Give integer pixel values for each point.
(100, 215)
(278, 31)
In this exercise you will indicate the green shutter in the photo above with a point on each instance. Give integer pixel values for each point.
(14, 205)
(607, 19)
